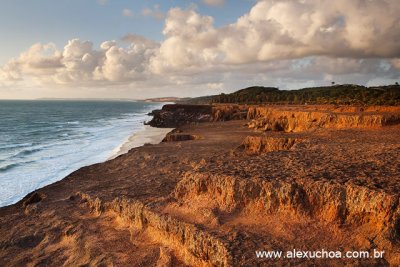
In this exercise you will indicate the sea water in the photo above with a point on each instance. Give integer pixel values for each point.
(41, 142)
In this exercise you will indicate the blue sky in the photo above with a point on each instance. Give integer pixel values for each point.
(23, 23)
(74, 48)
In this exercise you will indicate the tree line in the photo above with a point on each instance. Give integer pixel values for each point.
(347, 94)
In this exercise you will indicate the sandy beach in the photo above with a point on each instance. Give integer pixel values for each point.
(147, 135)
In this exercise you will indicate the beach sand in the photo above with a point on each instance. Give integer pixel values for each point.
(147, 135)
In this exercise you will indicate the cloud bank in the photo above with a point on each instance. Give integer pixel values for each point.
(277, 42)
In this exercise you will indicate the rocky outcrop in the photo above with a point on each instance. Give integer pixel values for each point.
(177, 135)
(199, 247)
(32, 198)
(378, 213)
(278, 119)
(180, 137)
(229, 112)
(265, 144)
(175, 115)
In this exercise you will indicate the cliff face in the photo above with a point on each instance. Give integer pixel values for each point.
(264, 144)
(349, 205)
(176, 115)
(229, 112)
(177, 135)
(199, 248)
(280, 119)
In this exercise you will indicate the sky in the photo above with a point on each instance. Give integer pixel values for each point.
(153, 48)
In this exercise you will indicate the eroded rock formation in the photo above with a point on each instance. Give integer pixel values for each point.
(174, 137)
(349, 205)
(287, 120)
(199, 248)
(176, 115)
(264, 144)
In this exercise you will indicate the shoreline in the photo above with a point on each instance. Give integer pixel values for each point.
(134, 137)
(146, 135)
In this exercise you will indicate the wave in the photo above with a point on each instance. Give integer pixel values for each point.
(65, 124)
(15, 145)
(8, 167)
(27, 152)
(13, 165)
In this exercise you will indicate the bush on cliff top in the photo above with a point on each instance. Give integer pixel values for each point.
(347, 94)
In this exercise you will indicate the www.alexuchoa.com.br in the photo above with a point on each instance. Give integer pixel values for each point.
(319, 254)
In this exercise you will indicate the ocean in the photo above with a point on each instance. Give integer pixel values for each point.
(41, 142)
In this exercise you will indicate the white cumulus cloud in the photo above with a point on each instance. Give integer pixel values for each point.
(281, 30)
